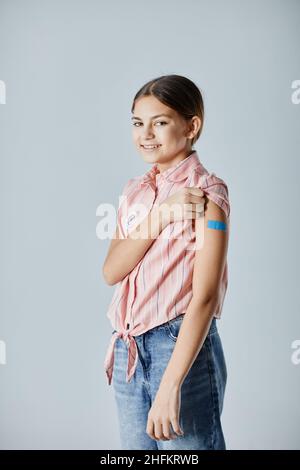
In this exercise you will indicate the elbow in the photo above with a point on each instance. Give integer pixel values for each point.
(108, 277)
(206, 300)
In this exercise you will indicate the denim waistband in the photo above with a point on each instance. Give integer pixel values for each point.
(178, 319)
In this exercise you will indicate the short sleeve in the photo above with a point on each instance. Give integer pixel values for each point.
(214, 187)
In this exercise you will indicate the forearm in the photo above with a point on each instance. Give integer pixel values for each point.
(129, 251)
(192, 334)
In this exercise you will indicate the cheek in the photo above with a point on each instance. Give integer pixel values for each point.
(172, 132)
(135, 134)
(166, 133)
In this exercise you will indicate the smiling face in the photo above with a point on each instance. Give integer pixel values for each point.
(160, 134)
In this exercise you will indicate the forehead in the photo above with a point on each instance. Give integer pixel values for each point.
(148, 107)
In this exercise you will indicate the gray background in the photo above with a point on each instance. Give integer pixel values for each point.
(71, 70)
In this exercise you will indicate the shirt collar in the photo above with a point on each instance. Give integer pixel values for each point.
(177, 172)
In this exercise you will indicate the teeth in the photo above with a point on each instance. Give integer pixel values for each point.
(150, 146)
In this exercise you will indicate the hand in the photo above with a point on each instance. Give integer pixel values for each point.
(163, 412)
(187, 203)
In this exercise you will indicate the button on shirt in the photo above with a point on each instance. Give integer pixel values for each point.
(159, 288)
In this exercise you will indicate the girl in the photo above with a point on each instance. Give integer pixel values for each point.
(168, 259)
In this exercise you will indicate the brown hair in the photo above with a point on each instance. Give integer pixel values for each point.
(176, 92)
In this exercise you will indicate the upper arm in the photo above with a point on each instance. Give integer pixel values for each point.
(114, 241)
(211, 252)
(120, 232)
(118, 235)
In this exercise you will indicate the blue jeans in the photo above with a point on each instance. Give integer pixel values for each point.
(202, 391)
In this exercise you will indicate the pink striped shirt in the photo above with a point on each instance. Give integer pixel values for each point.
(159, 288)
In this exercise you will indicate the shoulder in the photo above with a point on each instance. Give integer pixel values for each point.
(128, 191)
(130, 184)
(207, 179)
(214, 187)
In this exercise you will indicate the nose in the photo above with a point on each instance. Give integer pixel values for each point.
(147, 132)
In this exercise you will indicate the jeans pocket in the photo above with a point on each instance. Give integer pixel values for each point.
(173, 327)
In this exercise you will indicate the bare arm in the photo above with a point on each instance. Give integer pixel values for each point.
(208, 268)
(125, 253)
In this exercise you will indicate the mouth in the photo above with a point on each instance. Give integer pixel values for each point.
(150, 148)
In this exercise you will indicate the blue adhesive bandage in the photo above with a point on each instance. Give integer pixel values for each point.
(217, 225)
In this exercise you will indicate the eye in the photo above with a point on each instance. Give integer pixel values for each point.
(160, 122)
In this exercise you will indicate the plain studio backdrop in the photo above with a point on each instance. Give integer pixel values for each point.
(70, 70)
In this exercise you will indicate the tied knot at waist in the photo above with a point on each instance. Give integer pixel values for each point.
(125, 335)
(132, 355)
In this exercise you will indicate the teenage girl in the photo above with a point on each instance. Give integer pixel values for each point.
(168, 259)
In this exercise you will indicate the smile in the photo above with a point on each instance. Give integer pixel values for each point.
(150, 147)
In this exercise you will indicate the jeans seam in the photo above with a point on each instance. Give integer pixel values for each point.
(140, 356)
(211, 372)
(213, 333)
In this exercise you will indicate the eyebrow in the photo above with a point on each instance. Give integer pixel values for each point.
(153, 117)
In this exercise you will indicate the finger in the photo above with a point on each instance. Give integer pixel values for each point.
(158, 430)
(193, 198)
(176, 427)
(166, 429)
(195, 191)
(199, 207)
(150, 429)
(194, 205)
(193, 215)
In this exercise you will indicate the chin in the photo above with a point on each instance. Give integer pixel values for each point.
(150, 159)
